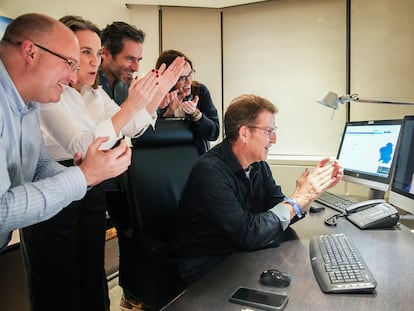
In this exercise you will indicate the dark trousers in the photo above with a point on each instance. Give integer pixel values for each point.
(64, 257)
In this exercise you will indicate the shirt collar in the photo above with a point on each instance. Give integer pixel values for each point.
(230, 159)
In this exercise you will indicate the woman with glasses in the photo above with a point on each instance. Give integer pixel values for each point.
(190, 99)
(65, 254)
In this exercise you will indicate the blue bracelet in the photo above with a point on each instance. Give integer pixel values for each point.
(295, 205)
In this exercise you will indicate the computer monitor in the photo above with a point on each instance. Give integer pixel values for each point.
(4, 21)
(402, 185)
(367, 152)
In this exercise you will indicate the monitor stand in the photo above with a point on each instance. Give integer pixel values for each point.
(407, 220)
(375, 194)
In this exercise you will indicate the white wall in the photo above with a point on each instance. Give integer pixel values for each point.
(196, 32)
(382, 51)
(290, 52)
(99, 12)
(146, 18)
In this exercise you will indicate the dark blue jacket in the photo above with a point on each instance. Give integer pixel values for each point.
(120, 91)
(222, 211)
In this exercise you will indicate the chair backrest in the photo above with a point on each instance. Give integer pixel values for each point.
(161, 163)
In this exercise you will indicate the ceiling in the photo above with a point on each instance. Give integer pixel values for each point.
(194, 3)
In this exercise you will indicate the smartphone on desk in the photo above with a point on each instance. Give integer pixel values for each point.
(259, 299)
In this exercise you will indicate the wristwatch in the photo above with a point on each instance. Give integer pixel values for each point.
(295, 205)
(195, 113)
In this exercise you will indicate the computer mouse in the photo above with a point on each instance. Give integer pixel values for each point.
(316, 208)
(274, 277)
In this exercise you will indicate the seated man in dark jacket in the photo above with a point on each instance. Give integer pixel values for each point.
(231, 201)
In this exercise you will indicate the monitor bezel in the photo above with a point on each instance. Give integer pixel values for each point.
(403, 200)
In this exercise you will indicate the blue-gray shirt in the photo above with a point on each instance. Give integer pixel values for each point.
(119, 93)
(33, 187)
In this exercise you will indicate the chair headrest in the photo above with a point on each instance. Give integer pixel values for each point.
(167, 132)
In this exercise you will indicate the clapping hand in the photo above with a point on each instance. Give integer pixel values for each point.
(190, 106)
(166, 79)
(313, 183)
(99, 165)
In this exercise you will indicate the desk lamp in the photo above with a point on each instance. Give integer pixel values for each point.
(331, 99)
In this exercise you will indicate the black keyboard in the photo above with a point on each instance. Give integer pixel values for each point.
(338, 266)
(334, 201)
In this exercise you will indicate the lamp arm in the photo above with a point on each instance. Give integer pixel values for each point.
(331, 100)
(380, 101)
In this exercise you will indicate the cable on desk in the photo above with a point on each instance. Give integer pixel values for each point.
(332, 221)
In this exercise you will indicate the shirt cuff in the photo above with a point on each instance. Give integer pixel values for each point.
(143, 117)
(106, 128)
(283, 213)
(142, 121)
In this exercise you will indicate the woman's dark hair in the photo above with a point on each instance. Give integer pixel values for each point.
(168, 56)
(76, 23)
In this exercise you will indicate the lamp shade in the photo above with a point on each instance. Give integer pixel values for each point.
(330, 99)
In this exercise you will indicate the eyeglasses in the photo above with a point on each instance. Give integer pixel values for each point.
(187, 77)
(270, 131)
(73, 65)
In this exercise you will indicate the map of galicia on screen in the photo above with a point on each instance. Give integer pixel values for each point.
(386, 152)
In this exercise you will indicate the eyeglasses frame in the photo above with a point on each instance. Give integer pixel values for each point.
(270, 131)
(185, 78)
(73, 65)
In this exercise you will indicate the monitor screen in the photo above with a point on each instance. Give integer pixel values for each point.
(367, 152)
(4, 21)
(402, 186)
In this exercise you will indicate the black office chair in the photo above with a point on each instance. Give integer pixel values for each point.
(161, 163)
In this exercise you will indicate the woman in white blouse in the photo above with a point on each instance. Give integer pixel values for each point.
(65, 255)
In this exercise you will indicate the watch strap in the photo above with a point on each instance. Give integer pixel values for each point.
(295, 205)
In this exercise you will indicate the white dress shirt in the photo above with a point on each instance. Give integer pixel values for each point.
(73, 123)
